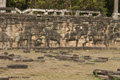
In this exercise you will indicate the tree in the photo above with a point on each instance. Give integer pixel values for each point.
(105, 6)
(94, 5)
(21, 4)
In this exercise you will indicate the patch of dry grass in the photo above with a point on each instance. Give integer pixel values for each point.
(61, 70)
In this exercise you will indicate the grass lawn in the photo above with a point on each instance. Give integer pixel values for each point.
(54, 69)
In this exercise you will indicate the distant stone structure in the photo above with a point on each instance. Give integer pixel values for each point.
(2, 3)
(116, 13)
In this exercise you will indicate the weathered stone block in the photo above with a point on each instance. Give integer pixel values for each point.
(4, 78)
(17, 66)
(63, 52)
(37, 51)
(26, 51)
(40, 57)
(16, 59)
(27, 60)
(48, 55)
(3, 57)
(5, 53)
(11, 55)
(41, 60)
(114, 77)
(97, 72)
(74, 57)
(103, 58)
(87, 57)
(79, 60)
(100, 60)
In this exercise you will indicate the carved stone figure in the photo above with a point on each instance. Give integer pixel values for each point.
(108, 33)
(4, 38)
(51, 35)
(22, 36)
(75, 35)
(38, 42)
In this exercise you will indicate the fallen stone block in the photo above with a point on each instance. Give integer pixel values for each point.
(66, 65)
(25, 77)
(74, 57)
(17, 56)
(4, 78)
(90, 63)
(70, 50)
(18, 77)
(10, 58)
(118, 69)
(40, 57)
(5, 53)
(114, 77)
(41, 60)
(87, 57)
(97, 72)
(16, 59)
(57, 56)
(103, 58)
(115, 58)
(50, 51)
(3, 67)
(13, 77)
(64, 58)
(26, 51)
(79, 60)
(116, 72)
(54, 52)
(27, 60)
(103, 77)
(11, 55)
(63, 52)
(37, 51)
(3, 57)
(48, 55)
(17, 66)
(43, 51)
(100, 60)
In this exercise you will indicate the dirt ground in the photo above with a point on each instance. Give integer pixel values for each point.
(54, 69)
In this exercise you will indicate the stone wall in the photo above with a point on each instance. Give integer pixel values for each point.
(13, 23)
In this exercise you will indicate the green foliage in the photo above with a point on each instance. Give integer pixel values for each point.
(105, 6)
(95, 5)
(53, 28)
(94, 0)
(21, 4)
(96, 74)
(109, 5)
(116, 78)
